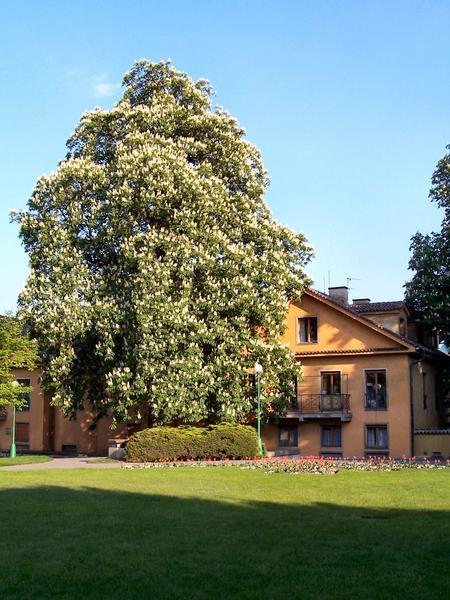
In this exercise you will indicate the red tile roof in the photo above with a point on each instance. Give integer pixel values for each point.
(348, 351)
(370, 307)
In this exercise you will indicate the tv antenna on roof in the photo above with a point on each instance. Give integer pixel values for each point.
(352, 279)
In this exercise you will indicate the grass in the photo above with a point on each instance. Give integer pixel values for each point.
(24, 460)
(223, 533)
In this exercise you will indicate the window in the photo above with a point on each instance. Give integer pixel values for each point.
(376, 396)
(425, 390)
(331, 382)
(26, 395)
(376, 436)
(288, 435)
(402, 326)
(308, 330)
(437, 391)
(22, 434)
(331, 436)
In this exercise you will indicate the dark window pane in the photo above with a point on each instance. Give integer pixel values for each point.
(371, 437)
(303, 330)
(376, 436)
(288, 436)
(337, 436)
(425, 390)
(22, 433)
(331, 383)
(382, 437)
(308, 330)
(27, 395)
(284, 437)
(331, 436)
(313, 330)
(376, 396)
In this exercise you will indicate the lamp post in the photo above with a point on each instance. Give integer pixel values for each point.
(12, 453)
(258, 370)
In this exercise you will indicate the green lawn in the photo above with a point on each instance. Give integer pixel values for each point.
(224, 533)
(24, 460)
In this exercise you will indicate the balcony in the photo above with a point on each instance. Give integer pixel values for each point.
(308, 407)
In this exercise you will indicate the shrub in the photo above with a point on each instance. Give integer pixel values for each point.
(192, 443)
(231, 441)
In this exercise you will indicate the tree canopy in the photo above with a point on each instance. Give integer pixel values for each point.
(428, 292)
(17, 351)
(158, 274)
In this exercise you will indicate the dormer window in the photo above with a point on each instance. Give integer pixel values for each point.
(307, 330)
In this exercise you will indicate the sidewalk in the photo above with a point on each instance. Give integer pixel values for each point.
(62, 462)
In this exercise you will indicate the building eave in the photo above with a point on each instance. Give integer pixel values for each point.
(351, 351)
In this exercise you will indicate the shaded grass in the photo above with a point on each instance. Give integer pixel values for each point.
(24, 460)
(224, 532)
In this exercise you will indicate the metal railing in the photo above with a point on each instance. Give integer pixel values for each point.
(321, 403)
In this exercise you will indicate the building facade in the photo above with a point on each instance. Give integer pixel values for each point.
(368, 388)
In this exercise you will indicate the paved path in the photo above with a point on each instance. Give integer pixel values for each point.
(63, 462)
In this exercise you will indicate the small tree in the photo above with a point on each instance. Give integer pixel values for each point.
(17, 351)
(428, 293)
(158, 275)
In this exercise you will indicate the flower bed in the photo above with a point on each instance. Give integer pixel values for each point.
(314, 465)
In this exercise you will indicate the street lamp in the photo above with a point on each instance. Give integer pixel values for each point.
(12, 453)
(258, 370)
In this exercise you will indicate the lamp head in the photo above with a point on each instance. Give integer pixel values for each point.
(258, 368)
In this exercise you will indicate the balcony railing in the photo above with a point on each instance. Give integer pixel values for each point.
(321, 404)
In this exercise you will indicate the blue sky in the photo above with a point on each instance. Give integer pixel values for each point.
(348, 102)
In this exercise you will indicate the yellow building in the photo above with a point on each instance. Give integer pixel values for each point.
(367, 389)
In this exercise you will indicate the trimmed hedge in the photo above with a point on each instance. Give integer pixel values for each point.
(192, 443)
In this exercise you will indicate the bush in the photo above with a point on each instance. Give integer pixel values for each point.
(192, 443)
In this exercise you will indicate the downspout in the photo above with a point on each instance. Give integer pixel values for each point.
(411, 395)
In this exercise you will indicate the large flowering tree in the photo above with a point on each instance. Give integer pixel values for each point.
(158, 275)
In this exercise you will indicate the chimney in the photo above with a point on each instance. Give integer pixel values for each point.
(358, 301)
(340, 294)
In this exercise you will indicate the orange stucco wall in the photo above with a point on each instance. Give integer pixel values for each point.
(49, 430)
(338, 331)
(432, 443)
(77, 433)
(34, 417)
(396, 417)
(425, 417)
(335, 330)
(390, 320)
